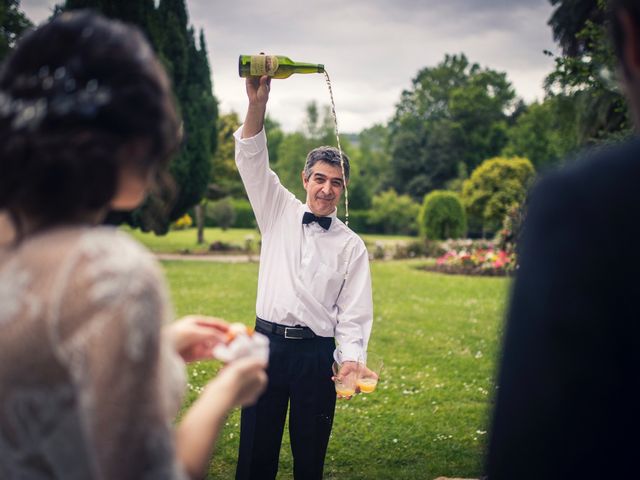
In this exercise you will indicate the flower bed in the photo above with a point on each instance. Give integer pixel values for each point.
(478, 261)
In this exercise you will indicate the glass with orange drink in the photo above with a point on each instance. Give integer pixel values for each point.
(345, 385)
(369, 373)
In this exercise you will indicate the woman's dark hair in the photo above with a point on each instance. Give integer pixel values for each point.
(72, 94)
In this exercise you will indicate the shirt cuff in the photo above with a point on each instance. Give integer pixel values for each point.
(348, 353)
(251, 145)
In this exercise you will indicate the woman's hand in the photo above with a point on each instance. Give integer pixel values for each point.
(242, 380)
(194, 336)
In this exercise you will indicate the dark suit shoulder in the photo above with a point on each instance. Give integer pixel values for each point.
(600, 187)
(602, 169)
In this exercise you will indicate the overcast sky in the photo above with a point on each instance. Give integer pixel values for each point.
(372, 49)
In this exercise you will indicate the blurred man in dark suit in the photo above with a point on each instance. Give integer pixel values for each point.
(567, 403)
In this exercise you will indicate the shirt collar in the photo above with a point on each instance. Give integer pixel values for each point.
(333, 214)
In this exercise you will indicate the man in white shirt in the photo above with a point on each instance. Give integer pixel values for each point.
(314, 300)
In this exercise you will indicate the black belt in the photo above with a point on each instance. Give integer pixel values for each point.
(292, 333)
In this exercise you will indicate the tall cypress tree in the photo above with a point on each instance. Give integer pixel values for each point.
(139, 12)
(192, 82)
(188, 67)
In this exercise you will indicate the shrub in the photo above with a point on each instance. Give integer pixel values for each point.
(393, 213)
(244, 214)
(442, 216)
(359, 222)
(183, 222)
(493, 187)
(222, 213)
(379, 252)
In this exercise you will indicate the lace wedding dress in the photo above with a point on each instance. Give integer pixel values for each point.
(88, 387)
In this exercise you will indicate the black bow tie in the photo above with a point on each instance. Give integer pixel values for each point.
(324, 222)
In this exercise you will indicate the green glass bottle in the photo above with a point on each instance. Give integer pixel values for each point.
(275, 66)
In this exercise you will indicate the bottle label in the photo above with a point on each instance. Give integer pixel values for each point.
(263, 65)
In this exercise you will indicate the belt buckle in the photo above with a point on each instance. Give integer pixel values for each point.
(286, 333)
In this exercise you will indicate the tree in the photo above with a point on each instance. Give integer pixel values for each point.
(376, 161)
(569, 19)
(192, 167)
(442, 216)
(275, 135)
(319, 126)
(496, 185)
(13, 23)
(393, 213)
(188, 67)
(141, 12)
(291, 156)
(584, 72)
(225, 179)
(544, 133)
(222, 212)
(454, 112)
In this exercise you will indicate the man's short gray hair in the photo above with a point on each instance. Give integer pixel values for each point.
(330, 155)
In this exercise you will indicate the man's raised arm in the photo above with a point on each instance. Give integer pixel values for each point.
(258, 94)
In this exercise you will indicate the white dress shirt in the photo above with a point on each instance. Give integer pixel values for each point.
(308, 276)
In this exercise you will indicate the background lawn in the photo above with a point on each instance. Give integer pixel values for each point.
(438, 336)
(181, 241)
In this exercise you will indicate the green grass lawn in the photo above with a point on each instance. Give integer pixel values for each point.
(438, 336)
(179, 241)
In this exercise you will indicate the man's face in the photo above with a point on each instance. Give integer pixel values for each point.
(324, 188)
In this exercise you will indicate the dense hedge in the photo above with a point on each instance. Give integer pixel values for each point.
(244, 214)
(359, 222)
(244, 217)
(442, 216)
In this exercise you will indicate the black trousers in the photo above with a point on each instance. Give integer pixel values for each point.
(300, 375)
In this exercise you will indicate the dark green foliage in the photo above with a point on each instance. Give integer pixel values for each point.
(192, 167)
(225, 179)
(585, 72)
(442, 216)
(359, 222)
(244, 214)
(374, 161)
(275, 135)
(222, 213)
(544, 133)
(454, 112)
(140, 12)
(394, 214)
(12, 23)
(569, 19)
(292, 153)
(188, 67)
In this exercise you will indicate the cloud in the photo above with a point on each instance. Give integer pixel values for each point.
(371, 48)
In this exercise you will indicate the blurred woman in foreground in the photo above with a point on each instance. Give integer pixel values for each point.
(90, 382)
